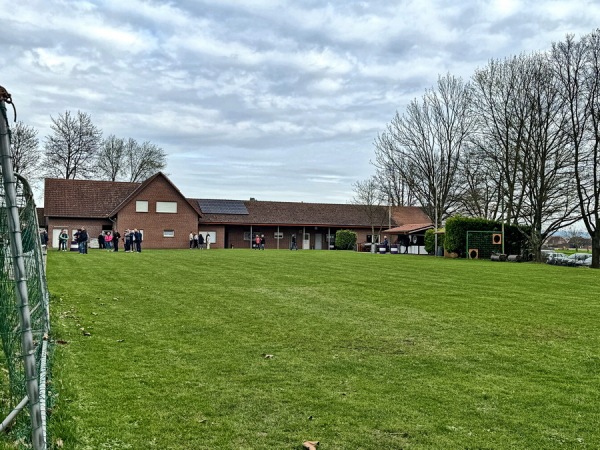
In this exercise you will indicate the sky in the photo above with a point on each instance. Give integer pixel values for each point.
(275, 100)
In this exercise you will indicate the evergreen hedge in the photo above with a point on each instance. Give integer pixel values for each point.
(345, 240)
(430, 241)
(515, 236)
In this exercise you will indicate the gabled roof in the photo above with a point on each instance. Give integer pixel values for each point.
(84, 198)
(313, 214)
(143, 186)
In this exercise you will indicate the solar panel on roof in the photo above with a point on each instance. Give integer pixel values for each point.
(211, 206)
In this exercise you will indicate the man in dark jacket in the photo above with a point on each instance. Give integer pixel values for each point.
(82, 239)
(137, 234)
(116, 237)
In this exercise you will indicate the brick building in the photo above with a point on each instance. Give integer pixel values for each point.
(166, 217)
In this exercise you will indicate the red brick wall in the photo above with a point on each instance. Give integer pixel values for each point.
(154, 224)
(219, 230)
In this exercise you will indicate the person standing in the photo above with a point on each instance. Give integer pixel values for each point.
(257, 242)
(63, 237)
(82, 238)
(116, 237)
(101, 241)
(108, 241)
(127, 241)
(207, 240)
(294, 246)
(137, 234)
(262, 241)
(191, 237)
(44, 238)
(200, 241)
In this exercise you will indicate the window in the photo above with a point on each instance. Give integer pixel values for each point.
(166, 207)
(169, 233)
(141, 206)
(247, 236)
(372, 238)
(278, 235)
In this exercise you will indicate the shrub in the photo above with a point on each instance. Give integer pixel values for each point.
(345, 240)
(430, 241)
(515, 236)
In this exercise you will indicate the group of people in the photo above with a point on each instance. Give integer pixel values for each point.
(105, 241)
(197, 240)
(132, 240)
(259, 242)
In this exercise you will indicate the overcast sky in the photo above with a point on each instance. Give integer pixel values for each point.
(277, 100)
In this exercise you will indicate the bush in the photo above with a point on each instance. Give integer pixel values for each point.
(430, 241)
(345, 240)
(515, 237)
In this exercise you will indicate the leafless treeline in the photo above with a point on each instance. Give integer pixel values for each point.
(520, 141)
(76, 149)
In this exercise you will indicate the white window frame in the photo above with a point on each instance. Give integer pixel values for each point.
(168, 233)
(278, 235)
(247, 236)
(141, 206)
(166, 207)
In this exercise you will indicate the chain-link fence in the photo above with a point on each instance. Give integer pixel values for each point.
(24, 317)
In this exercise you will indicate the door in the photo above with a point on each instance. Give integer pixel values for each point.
(55, 234)
(306, 242)
(318, 241)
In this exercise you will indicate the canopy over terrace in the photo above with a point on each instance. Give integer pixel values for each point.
(410, 237)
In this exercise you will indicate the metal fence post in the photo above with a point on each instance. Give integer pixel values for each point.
(27, 345)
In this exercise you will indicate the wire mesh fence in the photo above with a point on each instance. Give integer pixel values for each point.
(24, 317)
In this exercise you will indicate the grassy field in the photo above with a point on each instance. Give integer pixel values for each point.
(242, 349)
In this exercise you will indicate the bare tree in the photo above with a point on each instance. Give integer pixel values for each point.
(577, 67)
(143, 161)
(501, 109)
(369, 197)
(389, 174)
(25, 151)
(111, 158)
(427, 142)
(481, 195)
(73, 146)
(549, 200)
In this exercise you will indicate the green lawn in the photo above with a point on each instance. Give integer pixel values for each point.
(368, 351)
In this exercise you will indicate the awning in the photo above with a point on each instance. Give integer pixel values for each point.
(409, 228)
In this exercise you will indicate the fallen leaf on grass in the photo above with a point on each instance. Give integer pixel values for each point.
(120, 340)
(59, 443)
(310, 445)
(87, 333)
(61, 342)
(268, 356)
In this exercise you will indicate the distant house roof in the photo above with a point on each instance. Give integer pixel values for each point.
(311, 214)
(84, 198)
(556, 240)
(410, 228)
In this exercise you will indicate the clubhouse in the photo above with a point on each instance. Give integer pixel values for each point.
(166, 217)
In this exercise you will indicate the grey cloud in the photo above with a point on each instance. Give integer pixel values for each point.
(272, 99)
